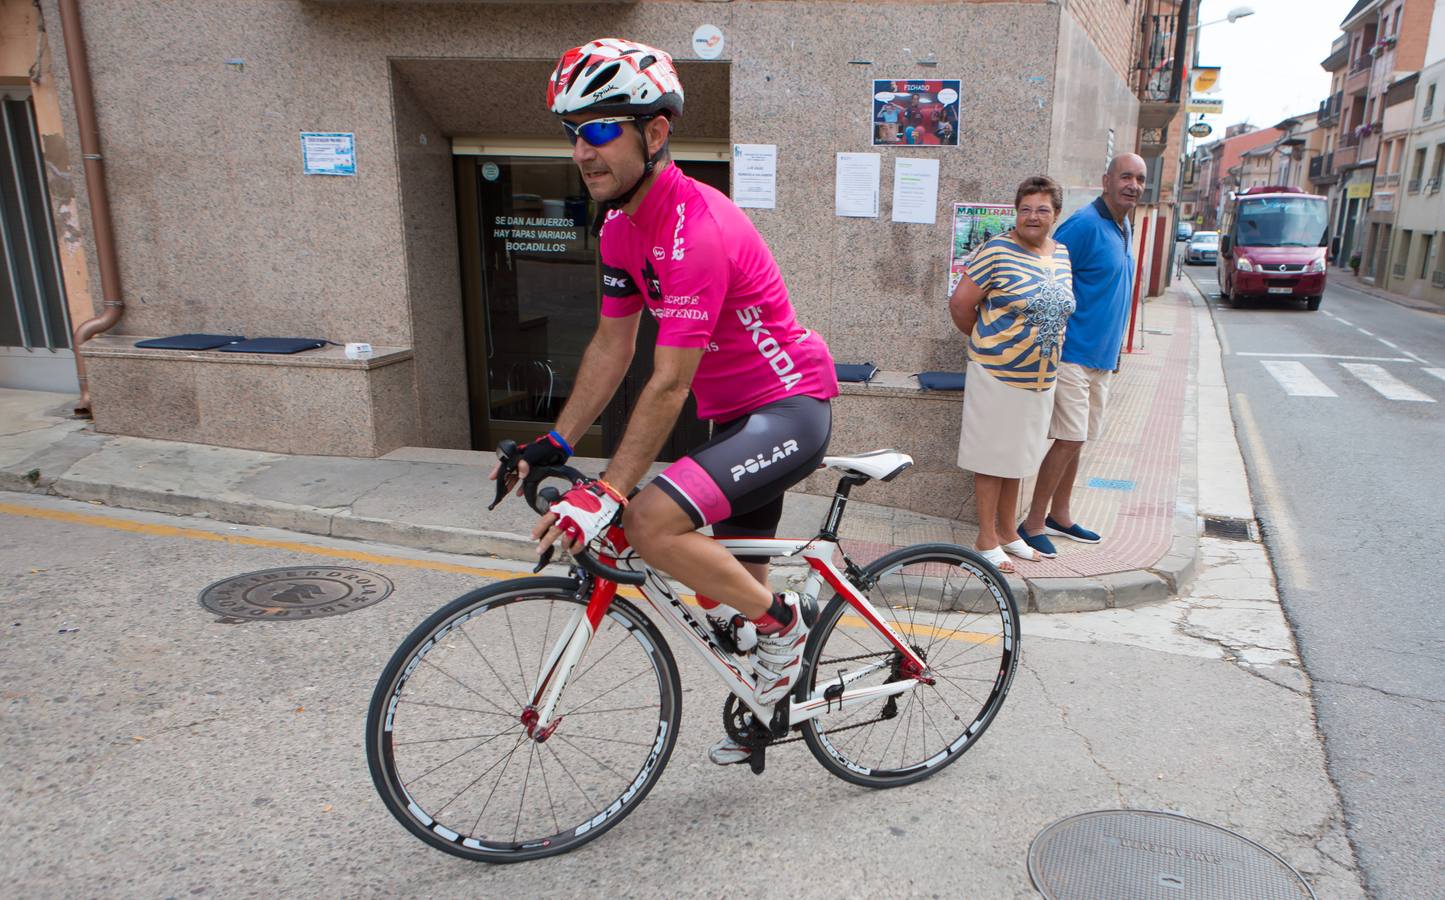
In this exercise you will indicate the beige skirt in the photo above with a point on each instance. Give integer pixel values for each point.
(1005, 429)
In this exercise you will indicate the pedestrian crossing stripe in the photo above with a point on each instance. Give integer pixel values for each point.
(1298, 381)
(1389, 387)
(1296, 378)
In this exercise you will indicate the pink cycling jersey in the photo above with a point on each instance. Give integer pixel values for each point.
(705, 274)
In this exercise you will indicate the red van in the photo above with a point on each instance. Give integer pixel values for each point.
(1272, 245)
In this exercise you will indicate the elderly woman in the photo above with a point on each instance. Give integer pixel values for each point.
(1013, 301)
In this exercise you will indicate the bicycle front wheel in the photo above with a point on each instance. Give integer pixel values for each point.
(957, 613)
(449, 752)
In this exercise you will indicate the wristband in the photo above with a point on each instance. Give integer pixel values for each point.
(612, 492)
(561, 442)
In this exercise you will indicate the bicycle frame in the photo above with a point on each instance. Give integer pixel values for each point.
(571, 646)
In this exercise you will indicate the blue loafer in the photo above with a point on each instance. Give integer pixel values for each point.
(1042, 545)
(1075, 532)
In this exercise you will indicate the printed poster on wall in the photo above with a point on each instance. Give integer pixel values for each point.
(915, 112)
(974, 223)
(328, 153)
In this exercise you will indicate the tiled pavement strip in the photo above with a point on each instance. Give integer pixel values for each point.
(1136, 486)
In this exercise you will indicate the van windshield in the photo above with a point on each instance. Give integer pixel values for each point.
(1280, 222)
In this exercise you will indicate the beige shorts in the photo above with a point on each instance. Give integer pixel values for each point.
(1080, 395)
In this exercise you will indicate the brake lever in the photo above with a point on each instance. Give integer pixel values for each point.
(507, 478)
(545, 559)
(550, 495)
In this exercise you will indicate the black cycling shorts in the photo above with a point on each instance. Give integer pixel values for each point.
(736, 481)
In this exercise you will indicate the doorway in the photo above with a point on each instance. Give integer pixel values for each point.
(531, 295)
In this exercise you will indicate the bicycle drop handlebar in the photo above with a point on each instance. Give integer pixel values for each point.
(510, 455)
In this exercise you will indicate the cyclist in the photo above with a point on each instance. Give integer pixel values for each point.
(726, 331)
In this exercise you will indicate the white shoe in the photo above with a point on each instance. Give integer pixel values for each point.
(779, 656)
(728, 752)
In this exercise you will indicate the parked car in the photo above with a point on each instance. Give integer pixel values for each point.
(1203, 248)
(1183, 232)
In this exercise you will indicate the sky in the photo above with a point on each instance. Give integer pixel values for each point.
(1270, 61)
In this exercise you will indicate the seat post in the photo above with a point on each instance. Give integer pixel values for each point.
(840, 502)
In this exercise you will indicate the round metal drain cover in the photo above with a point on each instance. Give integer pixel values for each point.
(1120, 854)
(293, 594)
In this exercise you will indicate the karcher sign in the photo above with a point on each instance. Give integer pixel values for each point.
(1211, 106)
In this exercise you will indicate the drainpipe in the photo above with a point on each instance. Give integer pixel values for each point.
(113, 305)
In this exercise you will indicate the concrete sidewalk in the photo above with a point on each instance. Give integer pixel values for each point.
(1137, 486)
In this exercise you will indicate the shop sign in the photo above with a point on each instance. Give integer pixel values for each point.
(1210, 106)
(1201, 129)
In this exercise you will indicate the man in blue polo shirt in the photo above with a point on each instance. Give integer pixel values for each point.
(1099, 239)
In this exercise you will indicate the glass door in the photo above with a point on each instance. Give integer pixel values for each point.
(531, 289)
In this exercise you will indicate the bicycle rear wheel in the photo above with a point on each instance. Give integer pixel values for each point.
(451, 757)
(956, 611)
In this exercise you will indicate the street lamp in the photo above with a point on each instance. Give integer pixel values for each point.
(1239, 12)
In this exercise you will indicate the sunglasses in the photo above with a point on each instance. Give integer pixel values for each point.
(597, 132)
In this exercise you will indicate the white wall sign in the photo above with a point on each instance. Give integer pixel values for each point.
(856, 190)
(707, 42)
(328, 153)
(755, 176)
(915, 190)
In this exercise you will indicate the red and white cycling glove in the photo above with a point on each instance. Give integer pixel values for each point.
(588, 510)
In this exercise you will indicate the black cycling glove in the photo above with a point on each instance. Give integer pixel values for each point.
(550, 449)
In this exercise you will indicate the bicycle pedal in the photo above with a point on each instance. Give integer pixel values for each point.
(756, 761)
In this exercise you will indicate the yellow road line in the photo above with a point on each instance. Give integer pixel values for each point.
(172, 531)
(152, 530)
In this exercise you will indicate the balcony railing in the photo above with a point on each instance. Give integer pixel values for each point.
(1399, 270)
(1154, 71)
(1322, 167)
(1361, 64)
(1349, 139)
(1329, 112)
(1413, 186)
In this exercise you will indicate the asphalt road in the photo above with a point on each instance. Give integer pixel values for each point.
(1341, 415)
(151, 748)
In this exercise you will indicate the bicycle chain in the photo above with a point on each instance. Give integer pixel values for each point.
(840, 659)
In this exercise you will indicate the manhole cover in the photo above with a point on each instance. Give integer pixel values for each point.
(1229, 529)
(292, 594)
(1120, 854)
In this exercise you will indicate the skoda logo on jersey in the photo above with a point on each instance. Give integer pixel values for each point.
(757, 463)
(659, 254)
(768, 346)
(677, 231)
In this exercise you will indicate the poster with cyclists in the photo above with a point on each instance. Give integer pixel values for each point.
(974, 223)
(915, 112)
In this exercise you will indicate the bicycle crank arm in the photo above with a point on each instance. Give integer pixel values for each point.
(824, 700)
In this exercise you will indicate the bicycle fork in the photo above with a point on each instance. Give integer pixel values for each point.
(564, 656)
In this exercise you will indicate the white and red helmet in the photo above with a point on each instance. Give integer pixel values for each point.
(618, 76)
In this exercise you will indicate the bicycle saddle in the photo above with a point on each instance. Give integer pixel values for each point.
(884, 465)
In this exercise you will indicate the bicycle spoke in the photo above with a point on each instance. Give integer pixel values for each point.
(568, 772)
(551, 804)
(463, 685)
(490, 794)
(608, 691)
(482, 712)
(522, 801)
(588, 737)
(465, 737)
(489, 665)
(516, 651)
(594, 712)
(468, 785)
(565, 740)
(460, 755)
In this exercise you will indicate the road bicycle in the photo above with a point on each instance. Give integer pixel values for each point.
(528, 717)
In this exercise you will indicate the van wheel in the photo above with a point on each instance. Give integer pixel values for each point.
(1313, 302)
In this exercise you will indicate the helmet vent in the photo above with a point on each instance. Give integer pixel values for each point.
(645, 62)
(601, 79)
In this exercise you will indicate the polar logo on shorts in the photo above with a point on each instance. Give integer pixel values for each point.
(753, 465)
